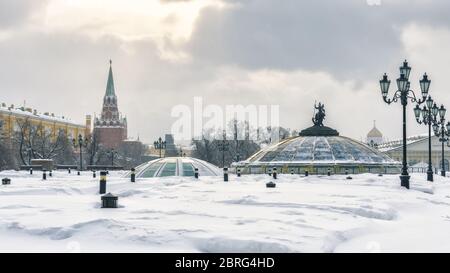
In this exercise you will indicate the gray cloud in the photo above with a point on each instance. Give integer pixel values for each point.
(65, 72)
(16, 12)
(347, 38)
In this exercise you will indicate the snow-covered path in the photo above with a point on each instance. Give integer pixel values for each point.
(312, 214)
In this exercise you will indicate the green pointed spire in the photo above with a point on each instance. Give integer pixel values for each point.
(110, 91)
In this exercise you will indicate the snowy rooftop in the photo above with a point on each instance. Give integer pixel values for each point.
(182, 214)
(395, 144)
(28, 112)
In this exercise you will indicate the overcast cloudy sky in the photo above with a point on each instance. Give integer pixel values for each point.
(54, 54)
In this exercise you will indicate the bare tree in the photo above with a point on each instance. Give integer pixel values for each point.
(239, 144)
(35, 141)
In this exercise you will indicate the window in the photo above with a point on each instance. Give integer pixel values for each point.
(169, 169)
(188, 169)
(150, 171)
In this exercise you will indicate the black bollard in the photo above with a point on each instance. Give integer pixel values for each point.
(133, 175)
(238, 172)
(102, 182)
(329, 172)
(109, 201)
(50, 173)
(44, 174)
(270, 172)
(306, 173)
(78, 172)
(346, 171)
(6, 181)
(196, 173)
(69, 170)
(225, 174)
(274, 173)
(292, 171)
(31, 171)
(94, 174)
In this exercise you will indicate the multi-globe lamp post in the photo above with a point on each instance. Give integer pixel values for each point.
(404, 93)
(427, 116)
(223, 147)
(442, 131)
(159, 145)
(80, 143)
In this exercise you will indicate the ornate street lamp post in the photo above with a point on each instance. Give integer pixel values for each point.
(80, 143)
(429, 113)
(404, 93)
(223, 147)
(160, 145)
(443, 133)
(113, 153)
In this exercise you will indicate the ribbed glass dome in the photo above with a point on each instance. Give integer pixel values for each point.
(176, 166)
(320, 149)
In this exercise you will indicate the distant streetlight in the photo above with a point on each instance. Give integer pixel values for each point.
(223, 147)
(442, 131)
(404, 93)
(427, 115)
(160, 145)
(112, 153)
(80, 143)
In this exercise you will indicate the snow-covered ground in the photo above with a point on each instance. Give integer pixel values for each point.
(312, 214)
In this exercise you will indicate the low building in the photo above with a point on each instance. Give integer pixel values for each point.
(417, 151)
(11, 119)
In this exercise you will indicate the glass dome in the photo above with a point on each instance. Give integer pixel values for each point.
(312, 152)
(175, 166)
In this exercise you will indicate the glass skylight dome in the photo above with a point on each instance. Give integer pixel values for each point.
(317, 154)
(176, 166)
(319, 149)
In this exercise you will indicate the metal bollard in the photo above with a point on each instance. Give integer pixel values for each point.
(102, 182)
(31, 171)
(94, 174)
(346, 171)
(329, 172)
(306, 173)
(69, 170)
(196, 173)
(50, 173)
(6, 181)
(274, 173)
(292, 171)
(44, 174)
(109, 201)
(78, 172)
(225, 174)
(133, 175)
(238, 172)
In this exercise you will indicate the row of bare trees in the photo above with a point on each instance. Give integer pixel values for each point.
(240, 140)
(34, 141)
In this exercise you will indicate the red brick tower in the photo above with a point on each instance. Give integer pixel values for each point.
(111, 127)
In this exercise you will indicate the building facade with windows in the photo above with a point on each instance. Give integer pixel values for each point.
(12, 118)
(417, 151)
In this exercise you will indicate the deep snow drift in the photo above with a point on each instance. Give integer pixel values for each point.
(173, 214)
